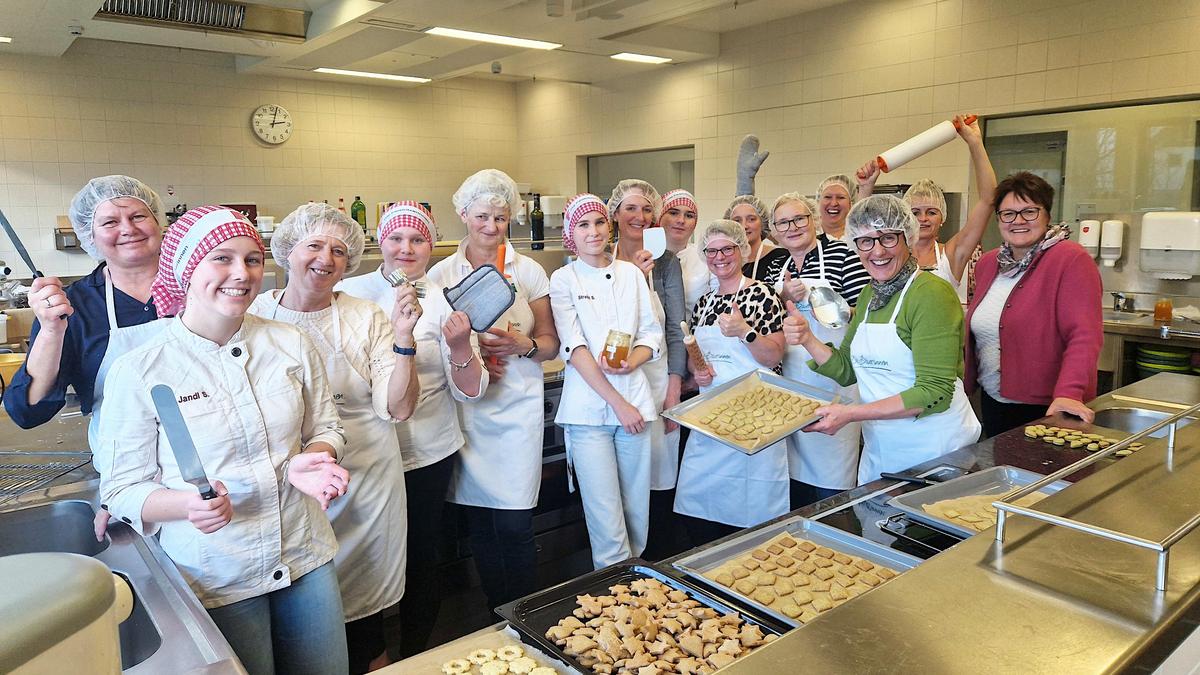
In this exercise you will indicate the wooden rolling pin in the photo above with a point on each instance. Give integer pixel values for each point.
(693, 348)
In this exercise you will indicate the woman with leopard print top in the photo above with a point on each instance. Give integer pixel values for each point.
(739, 327)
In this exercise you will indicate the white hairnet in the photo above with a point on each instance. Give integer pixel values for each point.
(788, 197)
(757, 204)
(726, 229)
(314, 219)
(634, 186)
(493, 186)
(839, 179)
(102, 189)
(926, 190)
(882, 213)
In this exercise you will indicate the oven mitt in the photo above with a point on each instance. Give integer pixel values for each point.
(483, 295)
(748, 162)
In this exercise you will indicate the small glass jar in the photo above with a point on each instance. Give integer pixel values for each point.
(1163, 311)
(616, 348)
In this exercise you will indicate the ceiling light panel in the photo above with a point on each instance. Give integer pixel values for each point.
(494, 39)
(640, 58)
(377, 76)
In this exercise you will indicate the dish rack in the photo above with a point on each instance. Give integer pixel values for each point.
(1162, 547)
(23, 472)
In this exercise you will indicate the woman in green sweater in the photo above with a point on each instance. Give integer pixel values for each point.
(903, 348)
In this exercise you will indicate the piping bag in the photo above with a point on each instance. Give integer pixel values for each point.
(924, 142)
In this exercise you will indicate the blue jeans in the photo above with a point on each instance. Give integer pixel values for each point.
(299, 629)
(612, 469)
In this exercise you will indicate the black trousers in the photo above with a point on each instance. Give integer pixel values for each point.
(425, 489)
(803, 494)
(1000, 417)
(364, 641)
(701, 531)
(504, 551)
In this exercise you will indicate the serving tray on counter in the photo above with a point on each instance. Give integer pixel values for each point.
(996, 480)
(534, 614)
(689, 412)
(697, 564)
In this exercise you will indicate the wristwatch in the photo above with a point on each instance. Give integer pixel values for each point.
(532, 350)
(750, 337)
(404, 351)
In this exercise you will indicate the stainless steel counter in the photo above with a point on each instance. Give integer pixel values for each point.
(1049, 601)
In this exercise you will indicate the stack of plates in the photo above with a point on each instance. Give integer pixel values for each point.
(1159, 359)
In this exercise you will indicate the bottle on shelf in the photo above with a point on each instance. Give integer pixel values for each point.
(342, 204)
(537, 224)
(358, 211)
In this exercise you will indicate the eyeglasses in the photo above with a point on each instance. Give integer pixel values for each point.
(790, 223)
(724, 251)
(888, 239)
(1028, 215)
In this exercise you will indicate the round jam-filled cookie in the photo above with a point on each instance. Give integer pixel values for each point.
(510, 652)
(481, 656)
(521, 665)
(456, 667)
(494, 668)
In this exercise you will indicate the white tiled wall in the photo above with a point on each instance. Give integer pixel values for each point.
(181, 118)
(829, 89)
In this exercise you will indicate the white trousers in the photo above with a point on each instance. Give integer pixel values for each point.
(612, 470)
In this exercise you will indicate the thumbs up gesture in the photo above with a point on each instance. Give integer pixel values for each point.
(733, 324)
(795, 326)
(793, 289)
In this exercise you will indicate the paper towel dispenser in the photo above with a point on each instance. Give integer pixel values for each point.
(1171, 244)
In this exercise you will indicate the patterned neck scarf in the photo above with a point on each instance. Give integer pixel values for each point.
(1011, 267)
(882, 291)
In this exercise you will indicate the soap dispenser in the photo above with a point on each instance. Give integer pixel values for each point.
(1089, 236)
(1112, 235)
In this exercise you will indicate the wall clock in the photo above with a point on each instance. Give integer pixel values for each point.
(271, 123)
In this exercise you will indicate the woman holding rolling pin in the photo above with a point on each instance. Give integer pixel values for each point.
(903, 347)
(737, 326)
(256, 401)
(369, 362)
(499, 469)
(928, 203)
(449, 370)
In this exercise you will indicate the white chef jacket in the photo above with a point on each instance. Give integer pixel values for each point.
(500, 466)
(250, 405)
(433, 432)
(588, 302)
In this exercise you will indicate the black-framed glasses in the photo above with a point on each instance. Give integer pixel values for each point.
(724, 251)
(790, 223)
(1028, 215)
(887, 239)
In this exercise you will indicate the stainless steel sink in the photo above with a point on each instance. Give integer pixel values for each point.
(168, 631)
(1113, 315)
(1134, 420)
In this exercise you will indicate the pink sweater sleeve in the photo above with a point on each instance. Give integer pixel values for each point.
(1080, 324)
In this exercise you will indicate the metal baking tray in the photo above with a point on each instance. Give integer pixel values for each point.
(689, 412)
(696, 564)
(534, 614)
(996, 480)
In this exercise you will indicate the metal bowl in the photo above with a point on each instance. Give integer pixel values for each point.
(830, 309)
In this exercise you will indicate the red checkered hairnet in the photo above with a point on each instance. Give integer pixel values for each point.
(577, 207)
(407, 214)
(185, 244)
(680, 198)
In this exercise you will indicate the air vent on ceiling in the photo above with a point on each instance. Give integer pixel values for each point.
(394, 24)
(239, 18)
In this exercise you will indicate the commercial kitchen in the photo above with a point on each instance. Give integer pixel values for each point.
(931, 407)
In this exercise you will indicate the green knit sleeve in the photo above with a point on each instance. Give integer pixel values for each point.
(931, 324)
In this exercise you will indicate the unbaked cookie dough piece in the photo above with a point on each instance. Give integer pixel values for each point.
(456, 667)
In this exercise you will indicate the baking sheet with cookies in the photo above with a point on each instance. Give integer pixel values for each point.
(794, 566)
(754, 411)
(955, 494)
(471, 655)
(585, 600)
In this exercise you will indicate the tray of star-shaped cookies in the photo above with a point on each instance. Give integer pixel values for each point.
(633, 618)
(796, 569)
(753, 411)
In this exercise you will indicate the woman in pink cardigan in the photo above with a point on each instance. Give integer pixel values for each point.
(1034, 323)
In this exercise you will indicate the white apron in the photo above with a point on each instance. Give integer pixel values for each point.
(943, 270)
(664, 447)
(370, 520)
(719, 483)
(818, 459)
(500, 466)
(120, 341)
(887, 370)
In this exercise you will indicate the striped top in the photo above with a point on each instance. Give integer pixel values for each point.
(843, 269)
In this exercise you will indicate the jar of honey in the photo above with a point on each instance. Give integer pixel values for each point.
(616, 348)
(1163, 312)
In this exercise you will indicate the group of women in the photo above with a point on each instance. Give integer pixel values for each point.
(335, 416)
